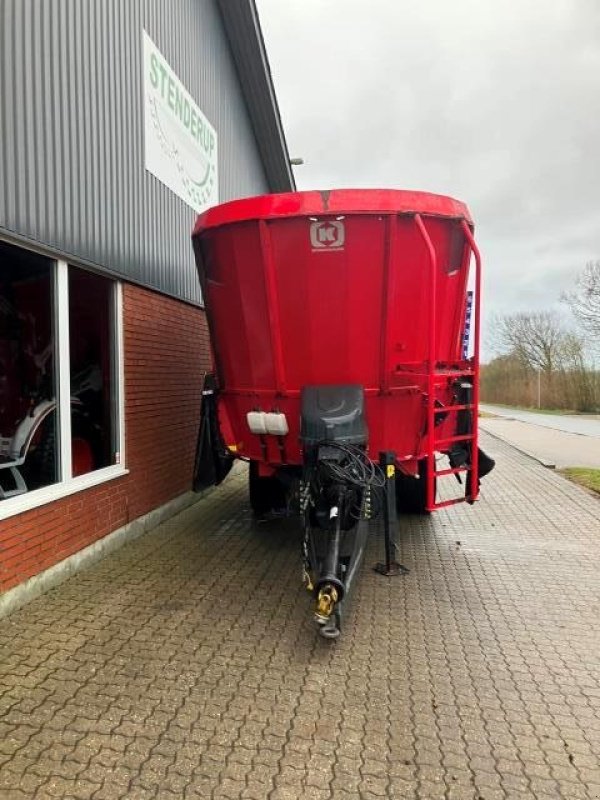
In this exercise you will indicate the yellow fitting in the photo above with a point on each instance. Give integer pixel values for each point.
(326, 600)
(307, 580)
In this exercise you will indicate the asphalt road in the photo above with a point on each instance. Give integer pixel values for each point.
(583, 425)
(554, 439)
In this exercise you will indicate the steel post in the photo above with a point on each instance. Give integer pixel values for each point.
(387, 462)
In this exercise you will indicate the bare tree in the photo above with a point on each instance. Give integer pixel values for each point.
(537, 338)
(540, 342)
(579, 381)
(584, 301)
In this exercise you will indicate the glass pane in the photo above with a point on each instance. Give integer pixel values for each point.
(91, 337)
(29, 443)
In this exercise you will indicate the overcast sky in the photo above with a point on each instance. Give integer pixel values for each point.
(495, 103)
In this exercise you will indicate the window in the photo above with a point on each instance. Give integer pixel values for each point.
(27, 376)
(92, 372)
(61, 415)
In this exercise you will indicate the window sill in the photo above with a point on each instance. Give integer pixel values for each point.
(48, 494)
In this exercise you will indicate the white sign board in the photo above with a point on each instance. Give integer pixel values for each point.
(180, 143)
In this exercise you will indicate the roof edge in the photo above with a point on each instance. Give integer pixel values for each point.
(242, 27)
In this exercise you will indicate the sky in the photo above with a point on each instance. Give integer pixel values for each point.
(494, 103)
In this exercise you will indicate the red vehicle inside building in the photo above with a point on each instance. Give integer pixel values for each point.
(29, 445)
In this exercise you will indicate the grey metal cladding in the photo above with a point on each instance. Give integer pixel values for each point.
(71, 126)
(248, 48)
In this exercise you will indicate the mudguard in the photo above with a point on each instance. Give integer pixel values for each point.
(213, 460)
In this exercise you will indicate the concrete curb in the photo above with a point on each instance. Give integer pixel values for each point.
(544, 462)
(25, 592)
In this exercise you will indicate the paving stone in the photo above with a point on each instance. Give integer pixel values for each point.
(171, 671)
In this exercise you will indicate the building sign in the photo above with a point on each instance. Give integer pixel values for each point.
(180, 143)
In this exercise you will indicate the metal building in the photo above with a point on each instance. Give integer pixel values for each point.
(119, 122)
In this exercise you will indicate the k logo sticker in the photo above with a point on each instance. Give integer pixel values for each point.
(329, 235)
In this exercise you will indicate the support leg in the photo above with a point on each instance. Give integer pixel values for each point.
(387, 462)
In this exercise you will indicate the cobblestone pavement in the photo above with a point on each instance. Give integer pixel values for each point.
(186, 665)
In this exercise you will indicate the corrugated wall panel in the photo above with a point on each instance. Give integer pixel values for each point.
(253, 69)
(71, 126)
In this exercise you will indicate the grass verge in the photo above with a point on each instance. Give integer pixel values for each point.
(557, 412)
(584, 476)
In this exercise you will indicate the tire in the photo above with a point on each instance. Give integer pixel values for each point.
(41, 465)
(411, 492)
(266, 494)
(46, 461)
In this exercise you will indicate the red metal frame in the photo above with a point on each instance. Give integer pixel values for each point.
(361, 201)
(431, 360)
(384, 311)
(272, 308)
(434, 443)
(476, 346)
(388, 298)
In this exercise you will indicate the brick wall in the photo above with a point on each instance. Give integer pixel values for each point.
(166, 353)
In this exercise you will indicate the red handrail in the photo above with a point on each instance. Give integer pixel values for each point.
(477, 309)
(431, 370)
(431, 361)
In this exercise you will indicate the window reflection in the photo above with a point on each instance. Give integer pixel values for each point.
(28, 418)
(91, 369)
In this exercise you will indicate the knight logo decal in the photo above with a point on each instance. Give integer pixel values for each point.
(327, 235)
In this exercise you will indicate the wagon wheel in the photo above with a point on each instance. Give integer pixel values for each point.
(41, 464)
(266, 493)
(411, 492)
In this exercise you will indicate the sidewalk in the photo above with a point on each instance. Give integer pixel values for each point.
(583, 424)
(552, 447)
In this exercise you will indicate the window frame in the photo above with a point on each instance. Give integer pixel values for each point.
(67, 484)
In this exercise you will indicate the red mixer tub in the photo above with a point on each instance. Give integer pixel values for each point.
(340, 319)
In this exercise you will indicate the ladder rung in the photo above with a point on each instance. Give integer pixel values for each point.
(453, 502)
(453, 374)
(451, 439)
(443, 409)
(438, 375)
(453, 471)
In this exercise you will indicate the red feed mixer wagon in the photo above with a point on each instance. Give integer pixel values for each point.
(339, 324)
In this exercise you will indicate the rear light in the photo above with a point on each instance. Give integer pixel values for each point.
(276, 424)
(272, 423)
(256, 422)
